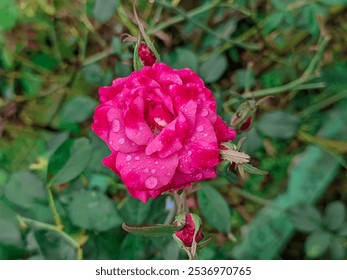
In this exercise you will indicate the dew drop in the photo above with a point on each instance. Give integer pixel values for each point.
(200, 128)
(177, 99)
(141, 128)
(115, 126)
(189, 153)
(162, 167)
(198, 176)
(204, 113)
(153, 171)
(128, 158)
(193, 138)
(205, 134)
(151, 182)
(137, 158)
(156, 162)
(121, 141)
(145, 170)
(168, 174)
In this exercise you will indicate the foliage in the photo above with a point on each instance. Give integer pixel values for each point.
(57, 200)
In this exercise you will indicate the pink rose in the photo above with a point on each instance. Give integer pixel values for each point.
(186, 234)
(162, 129)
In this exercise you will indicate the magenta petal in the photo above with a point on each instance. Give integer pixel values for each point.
(136, 129)
(146, 173)
(223, 132)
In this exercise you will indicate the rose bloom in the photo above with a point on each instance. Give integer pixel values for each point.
(162, 129)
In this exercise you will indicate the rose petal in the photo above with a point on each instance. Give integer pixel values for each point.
(136, 129)
(145, 173)
(223, 132)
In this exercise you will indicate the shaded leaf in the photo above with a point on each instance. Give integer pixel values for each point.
(69, 160)
(77, 109)
(281, 125)
(151, 231)
(214, 208)
(306, 218)
(213, 68)
(317, 243)
(8, 14)
(93, 210)
(336, 249)
(334, 215)
(253, 170)
(104, 10)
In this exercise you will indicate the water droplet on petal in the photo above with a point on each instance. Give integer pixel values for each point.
(168, 174)
(204, 113)
(137, 158)
(128, 157)
(162, 167)
(151, 182)
(177, 99)
(190, 153)
(200, 128)
(115, 126)
(153, 171)
(205, 134)
(193, 138)
(198, 176)
(156, 162)
(145, 170)
(141, 128)
(121, 141)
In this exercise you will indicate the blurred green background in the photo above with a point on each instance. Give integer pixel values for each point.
(57, 200)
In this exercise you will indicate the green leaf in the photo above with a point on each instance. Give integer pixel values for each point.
(253, 141)
(336, 249)
(253, 170)
(342, 230)
(334, 215)
(151, 231)
(317, 244)
(306, 218)
(10, 233)
(8, 14)
(244, 79)
(93, 210)
(77, 109)
(214, 208)
(24, 190)
(281, 125)
(333, 2)
(213, 68)
(69, 160)
(104, 10)
(136, 212)
(93, 73)
(182, 58)
(52, 246)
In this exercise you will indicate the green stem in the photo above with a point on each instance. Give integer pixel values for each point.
(250, 196)
(233, 42)
(305, 77)
(180, 18)
(324, 103)
(60, 232)
(55, 214)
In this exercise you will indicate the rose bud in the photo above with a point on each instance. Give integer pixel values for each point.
(192, 227)
(241, 125)
(146, 55)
